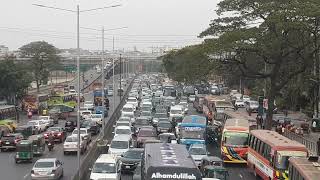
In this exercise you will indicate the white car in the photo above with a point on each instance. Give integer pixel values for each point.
(70, 144)
(128, 109)
(110, 92)
(185, 106)
(105, 167)
(89, 105)
(38, 124)
(84, 132)
(97, 118)
(72, 91)
(47, 120)
(120, 144)
(191, 98)
(239, 103)
(246, 98)
(123, 123)
(176, 111)
(47, 168)
(134, 101)
(122, 130)
(86, 114)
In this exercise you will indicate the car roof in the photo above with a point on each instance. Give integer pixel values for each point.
(47, 160)
(128, 105)
(122, 137)
(106, 158)
(123, 127)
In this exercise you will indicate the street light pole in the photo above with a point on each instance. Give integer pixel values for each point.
(78, 98)
(120, 77)
(102, 80)
(113, 96)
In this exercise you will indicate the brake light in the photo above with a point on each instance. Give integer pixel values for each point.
(59, 134)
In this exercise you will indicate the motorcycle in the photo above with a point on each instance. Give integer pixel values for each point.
(50, 146)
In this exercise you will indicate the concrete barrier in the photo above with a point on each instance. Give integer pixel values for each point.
(94, 152)
(310, 144)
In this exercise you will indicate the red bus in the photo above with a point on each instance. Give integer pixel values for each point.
(234, 141)
(269, 154)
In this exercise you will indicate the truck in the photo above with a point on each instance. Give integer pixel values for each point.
(97, 97)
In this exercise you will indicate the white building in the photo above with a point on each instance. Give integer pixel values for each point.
(3, 50)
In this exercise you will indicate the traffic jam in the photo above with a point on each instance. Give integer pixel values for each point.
(166, 131)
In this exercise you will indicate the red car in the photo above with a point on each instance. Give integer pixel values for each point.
(58, 132)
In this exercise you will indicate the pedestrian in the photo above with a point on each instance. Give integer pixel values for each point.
(314, 125)
(318, 144)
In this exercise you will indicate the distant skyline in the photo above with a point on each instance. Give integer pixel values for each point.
(151, 23)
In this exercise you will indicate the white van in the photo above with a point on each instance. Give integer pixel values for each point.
(105, 167)
(176, 111)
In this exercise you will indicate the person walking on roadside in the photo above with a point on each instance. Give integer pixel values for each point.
(318, 145)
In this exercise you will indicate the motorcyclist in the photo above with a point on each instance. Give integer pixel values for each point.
(51, 139)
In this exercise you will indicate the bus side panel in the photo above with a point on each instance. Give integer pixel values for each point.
(259, 165)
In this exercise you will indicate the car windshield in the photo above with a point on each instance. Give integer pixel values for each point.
(123, 131)
(197, 151)
(132, 100)
(71, 139)
(282, 161)
(165, 124)
(145, 113)
(53, 129)
(124, 118)
(119, 144)
(146, 133)
(254, 103)
(86, 113)
(123, 123)
(44, 165)
(160, 115)
(126, 109)
(104, 168)
(32, 123)
(81, 131)
(236, 139)
(140, 121)
(133, 154)
(145, 108)
(96, 116)
(86, 123)
(175, 111)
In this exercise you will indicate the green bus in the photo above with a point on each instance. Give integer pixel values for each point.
(66, 99)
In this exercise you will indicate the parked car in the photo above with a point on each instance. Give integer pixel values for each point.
(47, 168)
(70, 144)
(9, 141)
(58, 133)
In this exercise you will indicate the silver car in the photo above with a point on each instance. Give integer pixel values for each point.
(47, 168)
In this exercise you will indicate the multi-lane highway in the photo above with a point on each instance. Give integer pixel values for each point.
(9, 170)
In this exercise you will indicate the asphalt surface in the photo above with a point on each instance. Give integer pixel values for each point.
(9, 170)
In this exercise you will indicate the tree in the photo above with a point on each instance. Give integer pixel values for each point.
(43, 56)
(14, 79)
(273, 40)
(188, 65)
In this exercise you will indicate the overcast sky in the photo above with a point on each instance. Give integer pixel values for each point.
(156, 23)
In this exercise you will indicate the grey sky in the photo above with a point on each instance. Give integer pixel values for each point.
(151, 22)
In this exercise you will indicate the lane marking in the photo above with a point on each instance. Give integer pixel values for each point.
(25, 176)
(240, 176)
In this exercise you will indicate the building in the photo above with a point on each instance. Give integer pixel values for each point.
(3, 50)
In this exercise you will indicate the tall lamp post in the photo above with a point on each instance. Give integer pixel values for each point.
(78, 65)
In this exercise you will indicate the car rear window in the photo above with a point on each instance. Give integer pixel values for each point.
(6, 138)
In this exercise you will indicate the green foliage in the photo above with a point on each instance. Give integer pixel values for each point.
(189, 65)
(14, 79)
(43, 57)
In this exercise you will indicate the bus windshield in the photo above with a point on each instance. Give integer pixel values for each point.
(282, 162)
(192, 133)
(236, 138)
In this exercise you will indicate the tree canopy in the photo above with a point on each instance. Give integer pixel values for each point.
(43, 57)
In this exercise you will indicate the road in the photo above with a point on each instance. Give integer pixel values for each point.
(11, 171)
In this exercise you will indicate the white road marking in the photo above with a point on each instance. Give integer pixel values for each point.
(240, 176)
(25, 176)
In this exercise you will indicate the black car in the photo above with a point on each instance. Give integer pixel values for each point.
(10, 141)
(164, 127)
(70, 125)
(91, 125)
(131, 159)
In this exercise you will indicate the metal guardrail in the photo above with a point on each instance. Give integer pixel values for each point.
(94, 151)
(310, 144)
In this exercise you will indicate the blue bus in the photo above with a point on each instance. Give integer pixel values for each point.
(192, 130)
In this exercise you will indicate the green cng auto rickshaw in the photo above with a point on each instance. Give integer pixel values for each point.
(24, 151)
(217, 172)
(25, 130)
(38, 143)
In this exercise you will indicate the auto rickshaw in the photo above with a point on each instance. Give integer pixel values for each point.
(25, 130)
(216, 172)
(24, 151)
(38, 143)
(210, 161)
(11, 124)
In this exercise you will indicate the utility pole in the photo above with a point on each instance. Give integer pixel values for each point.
(120, 77)
(102, 81)
(113, 44)
(79, 89)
